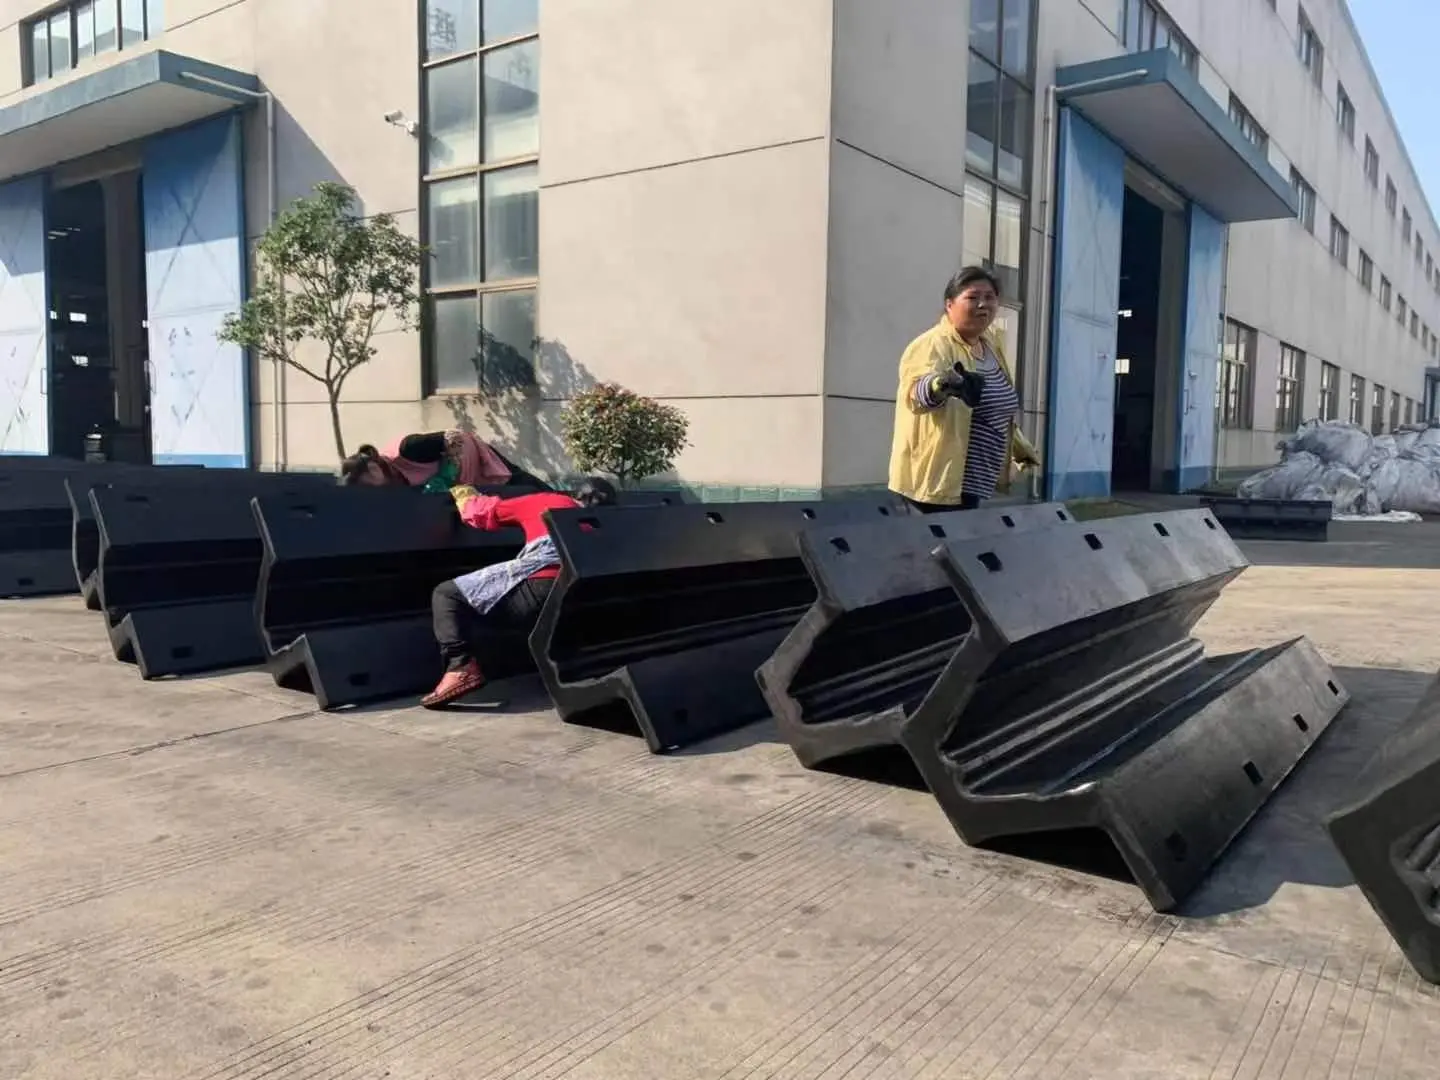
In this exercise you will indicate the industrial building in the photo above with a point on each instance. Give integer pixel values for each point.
(1203, 215)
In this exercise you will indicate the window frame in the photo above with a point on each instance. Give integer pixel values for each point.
(1344, 113)
(1289, 389)
(1245, 120)
(1236, 384)
(1355, 403)
(1304, 199)
(1329, 405)
(1365, 272)
(29, 76)
(1372, 163)
(997, 185)
(477, 291)
(1339, 242)
(1309, 48)
(1392, 196)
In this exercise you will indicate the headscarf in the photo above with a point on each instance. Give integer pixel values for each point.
(468, 460)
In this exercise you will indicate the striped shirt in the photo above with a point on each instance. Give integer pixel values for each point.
(989, 450)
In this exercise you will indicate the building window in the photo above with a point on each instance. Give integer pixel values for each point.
(1304, 199)
(1357, 400)
(482, 143)
(1429, 267)
(1405, 226)
(1409, 411)
(1390, 196)
(1372, 164)
(1237, 363)
(1339, 242)
(1394, 411)
(1146, 27)
(1247, 124)
(1414, 324)
(1384, 292)
(66, 37)
(1309, 49)
(999, 132)
(1402, 310)
(1419, 250)
(1290, 390)
(1345, 113)
(1329, 391)
(1377, 409)
(1367, 272)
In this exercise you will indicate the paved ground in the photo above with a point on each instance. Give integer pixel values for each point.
(204, 879)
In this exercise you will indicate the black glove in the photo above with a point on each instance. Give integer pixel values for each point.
(966, 386)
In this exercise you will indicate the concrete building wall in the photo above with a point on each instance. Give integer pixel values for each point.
(684, 201)
(748, 209)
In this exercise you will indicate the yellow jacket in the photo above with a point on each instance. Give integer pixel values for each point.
(927, 454)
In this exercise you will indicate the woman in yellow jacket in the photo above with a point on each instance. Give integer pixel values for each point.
(956, 408)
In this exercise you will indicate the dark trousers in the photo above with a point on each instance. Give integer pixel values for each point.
(967, 502)
(464, 634)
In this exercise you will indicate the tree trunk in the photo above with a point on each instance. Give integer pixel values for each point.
(333, 393)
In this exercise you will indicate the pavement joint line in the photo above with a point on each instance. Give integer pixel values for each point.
(164, 744)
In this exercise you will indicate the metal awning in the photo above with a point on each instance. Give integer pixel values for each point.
(117, 104)
(1153, 106)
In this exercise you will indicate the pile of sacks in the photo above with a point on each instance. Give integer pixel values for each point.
(1362, 474)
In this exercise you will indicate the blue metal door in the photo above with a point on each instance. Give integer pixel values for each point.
(1205, 276)
(1088, 215)
(194, 276)
(24, 319)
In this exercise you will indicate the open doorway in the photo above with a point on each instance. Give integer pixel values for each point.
(1148, 334)
(98, 351)
(1136, 345)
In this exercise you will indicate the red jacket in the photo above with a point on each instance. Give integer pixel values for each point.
(527, 512)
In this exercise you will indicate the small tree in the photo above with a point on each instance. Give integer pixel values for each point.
(325, 274)
(608, 429)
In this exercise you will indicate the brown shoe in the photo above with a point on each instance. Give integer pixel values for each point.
(454, 686)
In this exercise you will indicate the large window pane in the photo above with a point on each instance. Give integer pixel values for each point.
(980, 117)
(59, 42)
(979, 208)
(507, 339)
(1009, 242)
(985, 27)
(132, 22)
(512, 223)
(107, 32)
(1014, 134)
(452, 116)
(510, 18)
(1015, 41)
(455, 341)
(451, 26)
(84, 30)
(40, 51)
(512, 102)
(154, 17)
(454, 232)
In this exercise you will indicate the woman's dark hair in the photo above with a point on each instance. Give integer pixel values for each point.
(971, 275)
(358, 464)
(595, 491)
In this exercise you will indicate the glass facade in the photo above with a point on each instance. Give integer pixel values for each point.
(63, 39)
(481, 91)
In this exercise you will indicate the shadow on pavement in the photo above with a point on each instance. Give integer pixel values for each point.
(1410, 546)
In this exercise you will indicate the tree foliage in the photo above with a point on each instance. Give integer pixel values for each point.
(324, 274)
(609, 429)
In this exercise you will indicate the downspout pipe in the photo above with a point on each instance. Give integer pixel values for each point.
(272, 207)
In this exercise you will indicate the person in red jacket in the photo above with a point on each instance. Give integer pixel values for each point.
(503, 600)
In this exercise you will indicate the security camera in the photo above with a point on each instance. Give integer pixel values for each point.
(397, 118)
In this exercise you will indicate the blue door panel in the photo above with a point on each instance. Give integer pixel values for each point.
(24, 319)
(1205, 276)
(1089, 212)
(194, 276)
